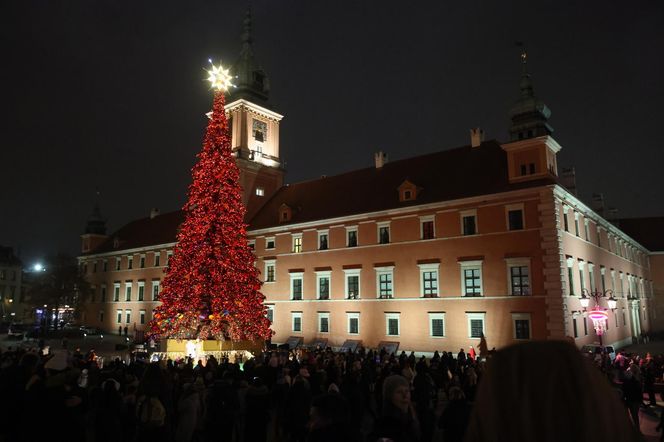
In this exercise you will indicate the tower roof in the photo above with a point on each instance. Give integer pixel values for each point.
(96, 223)
(251, 80)
(529, 114)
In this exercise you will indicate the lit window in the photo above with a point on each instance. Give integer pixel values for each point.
(155, 290)
(429, 280)
(352, 283)
(323, 285)
(270, 266)
(297, 243)
(471, 278)
(260, 191)
(519, 276)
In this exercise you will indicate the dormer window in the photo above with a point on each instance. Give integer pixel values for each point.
(285, 213)
(407, 191)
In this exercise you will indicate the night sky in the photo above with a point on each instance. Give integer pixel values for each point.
(111, 95)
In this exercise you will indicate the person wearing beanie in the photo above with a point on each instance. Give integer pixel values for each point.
(398, 420)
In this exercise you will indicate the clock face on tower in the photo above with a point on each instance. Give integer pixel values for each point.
(259, 130)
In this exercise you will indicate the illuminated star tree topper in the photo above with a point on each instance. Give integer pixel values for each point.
(219, 78)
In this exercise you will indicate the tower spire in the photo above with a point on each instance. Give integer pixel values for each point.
(96, 223)
(529, 115)
(251, 81)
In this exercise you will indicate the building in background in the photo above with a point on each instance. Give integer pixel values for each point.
(13, 307)
(426, 253)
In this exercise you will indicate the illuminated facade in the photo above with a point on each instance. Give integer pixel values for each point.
(429, 253)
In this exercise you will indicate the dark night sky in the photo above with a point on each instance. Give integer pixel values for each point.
(111, 94)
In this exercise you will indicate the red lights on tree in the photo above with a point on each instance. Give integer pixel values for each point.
(211, 289)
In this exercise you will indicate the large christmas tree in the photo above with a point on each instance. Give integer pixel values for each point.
(211, 289)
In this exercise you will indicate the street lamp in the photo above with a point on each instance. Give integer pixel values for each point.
(598, 314)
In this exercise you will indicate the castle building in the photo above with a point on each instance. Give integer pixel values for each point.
(425, 253)
(13, 306)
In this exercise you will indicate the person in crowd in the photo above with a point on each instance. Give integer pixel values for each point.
(454, 419)
(398, 420)
(330, 420)
(546, 391)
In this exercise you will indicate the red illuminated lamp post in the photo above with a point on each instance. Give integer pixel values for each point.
(598, 314)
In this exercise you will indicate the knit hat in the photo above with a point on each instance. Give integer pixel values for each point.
(390, 384)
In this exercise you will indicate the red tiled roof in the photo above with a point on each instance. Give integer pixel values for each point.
(451, 174)
(441, 176)
(161, 229)
(649, 231)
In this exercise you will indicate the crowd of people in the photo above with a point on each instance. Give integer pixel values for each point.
(320, 395)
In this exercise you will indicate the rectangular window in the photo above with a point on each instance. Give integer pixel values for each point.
(603, 279)
(576, 330)
(127, 316)
(565, 221)
(519, 280)
(130, 262)
(323, 322)
(392, 324)
(117, 263)
(570, 280)
(322, 240)
(116, 292)
(104, 265)
(384, 282)
(297, 243)
(585, 326)
(119, 316)
(260, 191)
(587, 229)
(269, 243)
(128, 291)
(168, 258)
(515, 219)
(591, 278)
(270, 271)
(296, 286)
(437, 325)
(353, 286)
(141, 291)
(155, 290)
(624, 317)
(430, 283)
(141, 262)
(521, 323)
(297, 321)
(101, 316)
(427, 227)
(475, 325)
(353, 323)
(270, 313)
(472, 281)
(582, 284)
(102, 293)
(469, 227)
(383, 234)
(323, 286)
(351, 236)
(141, 315)
(576, 224)
(157, 256)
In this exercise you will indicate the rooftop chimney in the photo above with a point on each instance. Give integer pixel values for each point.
(380, 158)
(476, 137)
(598, 203)
(154, 212)
(568, 179)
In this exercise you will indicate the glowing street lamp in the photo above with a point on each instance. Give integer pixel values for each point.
(598, 314)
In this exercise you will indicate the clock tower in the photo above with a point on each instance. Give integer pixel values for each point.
(254, 128)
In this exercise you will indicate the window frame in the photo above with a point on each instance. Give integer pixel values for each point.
(388, 317)
(468, 214)
(384, 271)
(473, 316)
(268, 240)
(156, 259)
(157, 284)
(323, 233)
(127, 313)
(118, 316)
(348, 273)
(293, 277)
(522, 317)
(471, 265)
(513, 263)
(141, 316)
(297, 315)
(429, 268)
(296, 243)
(514, 208)
(349, 316)
(267, 263)
(428, 219)
(437, 316)
(321, 316)
(383, 225)
(128, 285)
(349, 230)
(324, 275)
(140, 291)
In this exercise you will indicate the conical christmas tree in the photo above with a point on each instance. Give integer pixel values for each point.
(211, 289)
